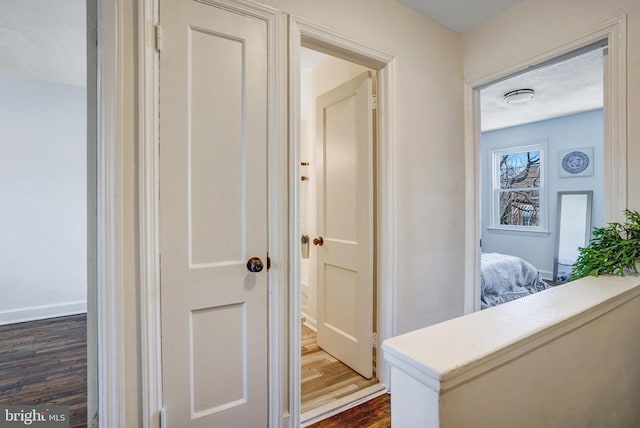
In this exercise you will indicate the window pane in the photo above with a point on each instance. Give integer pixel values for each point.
(520, 208)
(520, 170)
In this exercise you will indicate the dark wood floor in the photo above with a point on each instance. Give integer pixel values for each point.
(45, 362)
(374, 413)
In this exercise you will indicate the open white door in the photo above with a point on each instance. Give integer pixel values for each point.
(213, 215)
(345, 223)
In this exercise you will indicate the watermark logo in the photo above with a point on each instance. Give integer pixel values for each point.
(37, 416)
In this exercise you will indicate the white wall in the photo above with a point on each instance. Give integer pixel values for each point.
(568, 132)
(43, 192)
(534, 26)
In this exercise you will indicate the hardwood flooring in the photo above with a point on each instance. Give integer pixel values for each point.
(324, 378)
(375, 413)
(45, 362)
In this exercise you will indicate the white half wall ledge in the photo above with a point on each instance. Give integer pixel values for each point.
(440, 358)
(452, 352)
(42, 312)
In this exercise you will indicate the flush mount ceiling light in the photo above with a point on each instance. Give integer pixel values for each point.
(518, 96)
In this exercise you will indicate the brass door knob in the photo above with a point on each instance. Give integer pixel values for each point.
(318, 241)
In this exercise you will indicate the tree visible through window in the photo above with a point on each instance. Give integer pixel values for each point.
(519, 187)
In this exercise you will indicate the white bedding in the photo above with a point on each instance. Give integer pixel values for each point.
(504, 278)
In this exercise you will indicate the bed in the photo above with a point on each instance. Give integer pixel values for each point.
(504, 278)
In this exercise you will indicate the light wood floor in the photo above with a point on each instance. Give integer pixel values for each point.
(324, 378)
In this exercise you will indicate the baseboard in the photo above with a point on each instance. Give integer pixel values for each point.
(345, 403)
(41, 312)
(309, 322)
(545, 275)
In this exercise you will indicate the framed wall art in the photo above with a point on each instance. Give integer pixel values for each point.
(576, 162)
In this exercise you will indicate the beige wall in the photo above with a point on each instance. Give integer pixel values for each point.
(429, 139)
(534, 26)
(430, 148)
(429, 136)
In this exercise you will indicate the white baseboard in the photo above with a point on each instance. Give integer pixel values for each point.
(310, 322)
(41, 312)
(340, 405)
(547, 276)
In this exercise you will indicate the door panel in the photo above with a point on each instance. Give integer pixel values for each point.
(213, 215)
(345, 221)
(213, 121)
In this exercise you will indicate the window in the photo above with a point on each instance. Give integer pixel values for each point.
(518, 188)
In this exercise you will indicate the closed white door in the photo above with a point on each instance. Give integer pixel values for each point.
(344, 247)
(213, 215)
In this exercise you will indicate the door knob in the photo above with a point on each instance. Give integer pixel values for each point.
(254, 264)
(318, 241)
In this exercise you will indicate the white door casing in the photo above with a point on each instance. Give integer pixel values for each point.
(306, 33)
(213, 215)
(615, 136)
(345, 222)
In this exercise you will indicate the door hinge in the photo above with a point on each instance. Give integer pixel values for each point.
(374, 340)
(158, 37)
(163, 418)
(374, 102)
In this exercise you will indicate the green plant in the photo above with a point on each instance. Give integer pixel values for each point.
(614, 249)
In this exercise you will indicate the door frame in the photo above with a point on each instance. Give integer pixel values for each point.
(105, 241)
(305, 33)
(149, 40)
(615, 136)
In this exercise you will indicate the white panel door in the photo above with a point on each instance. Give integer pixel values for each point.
(345, 223)
(213, 215)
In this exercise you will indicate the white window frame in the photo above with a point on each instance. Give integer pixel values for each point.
(539, 146)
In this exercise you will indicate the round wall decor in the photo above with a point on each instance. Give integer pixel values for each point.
(575, 162)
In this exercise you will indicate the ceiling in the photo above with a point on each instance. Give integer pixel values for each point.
(460, 15)
(563, 88)
(44, 40)
(570, 86)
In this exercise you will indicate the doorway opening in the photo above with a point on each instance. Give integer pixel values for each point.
(381, 195)
(614, 162)
(542, 133)
(46, 162)
(337, 205)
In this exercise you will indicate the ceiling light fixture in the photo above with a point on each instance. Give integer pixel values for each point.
(518, 96)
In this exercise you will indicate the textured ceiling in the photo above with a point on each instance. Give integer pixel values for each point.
(563, 88)
(570, 86)
(460, 15)
(44, 40)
